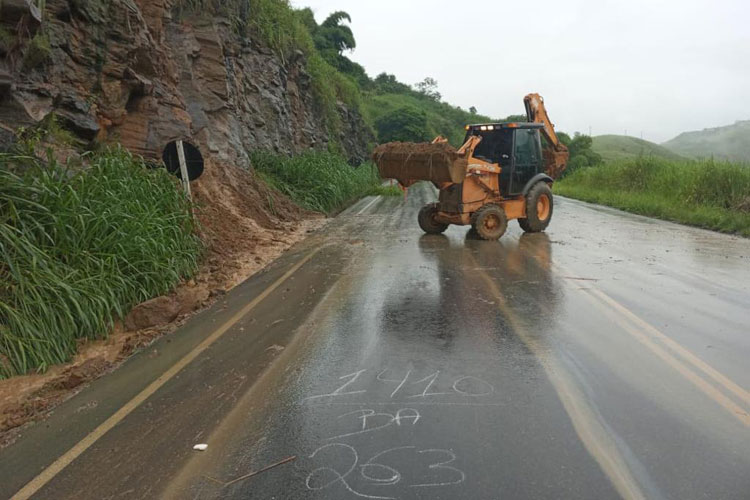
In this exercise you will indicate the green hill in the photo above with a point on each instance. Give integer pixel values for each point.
(619, 147)
(727, 143)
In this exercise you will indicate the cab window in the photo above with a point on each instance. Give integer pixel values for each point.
(527, 147)
(495, 144)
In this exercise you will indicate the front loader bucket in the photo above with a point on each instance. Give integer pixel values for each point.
(409, 162)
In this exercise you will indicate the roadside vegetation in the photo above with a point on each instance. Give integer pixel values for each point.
(320, 181)
(709, 194)
(80, 248)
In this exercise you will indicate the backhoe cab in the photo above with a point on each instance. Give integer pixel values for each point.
(501, 173)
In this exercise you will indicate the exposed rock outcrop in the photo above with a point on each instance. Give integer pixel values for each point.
(126, 71)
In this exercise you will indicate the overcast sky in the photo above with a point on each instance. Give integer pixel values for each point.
(651, 67)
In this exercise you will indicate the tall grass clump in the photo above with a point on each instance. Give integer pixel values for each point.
(707, 193)
(79, 249)
(318, 181)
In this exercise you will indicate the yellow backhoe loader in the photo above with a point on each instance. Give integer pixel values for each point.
(502, 172)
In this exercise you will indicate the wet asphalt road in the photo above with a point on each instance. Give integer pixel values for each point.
(607, 358)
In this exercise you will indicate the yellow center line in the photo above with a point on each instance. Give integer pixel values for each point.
(704, 386)
(63, 461)
(588, 426)
(686, 354)
(637, 323)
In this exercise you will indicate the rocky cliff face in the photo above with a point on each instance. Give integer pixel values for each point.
(127, 71)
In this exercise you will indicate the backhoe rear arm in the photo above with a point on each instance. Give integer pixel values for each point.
(555, 158)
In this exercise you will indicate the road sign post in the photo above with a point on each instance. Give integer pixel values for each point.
(183, 170)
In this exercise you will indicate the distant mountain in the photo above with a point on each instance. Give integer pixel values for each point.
(728, 143)
(617, 147)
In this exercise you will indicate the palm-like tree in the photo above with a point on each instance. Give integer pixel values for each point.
(332, 38)
(333, 35)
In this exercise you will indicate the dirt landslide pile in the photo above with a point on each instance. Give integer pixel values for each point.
(244, 225)
(408, 162)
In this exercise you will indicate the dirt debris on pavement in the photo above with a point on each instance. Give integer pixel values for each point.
(244, 225)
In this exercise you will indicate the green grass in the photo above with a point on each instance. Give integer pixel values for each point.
(709, 194)
(79, 249)
(620, 147)
(319, 181)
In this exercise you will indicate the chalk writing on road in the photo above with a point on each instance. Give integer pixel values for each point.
(410, 389)
(378, 471)
(387, 474)
(373, 420)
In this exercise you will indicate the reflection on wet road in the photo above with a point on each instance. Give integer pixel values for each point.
(606, 358)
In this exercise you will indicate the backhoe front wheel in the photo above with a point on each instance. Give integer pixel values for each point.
(427, 222)
(490, 222)
(539, 207)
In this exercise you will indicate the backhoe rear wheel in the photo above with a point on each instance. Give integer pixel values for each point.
(490, 222)
(539, 207)
(427, 222)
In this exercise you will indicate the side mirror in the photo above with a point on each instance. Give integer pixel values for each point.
(506, 157)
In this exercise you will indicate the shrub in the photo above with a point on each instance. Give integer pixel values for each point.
(406, 124)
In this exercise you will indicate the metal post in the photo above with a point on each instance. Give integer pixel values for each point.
(183, 170)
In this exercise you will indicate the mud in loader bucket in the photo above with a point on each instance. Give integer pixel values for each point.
(409, 162)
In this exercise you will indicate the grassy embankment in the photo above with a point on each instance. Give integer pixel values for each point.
(708, 194)
(323, 182)
(79, 249)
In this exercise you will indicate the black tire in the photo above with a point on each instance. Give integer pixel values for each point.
(538, 211)
(490, 222)
(427, 222)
